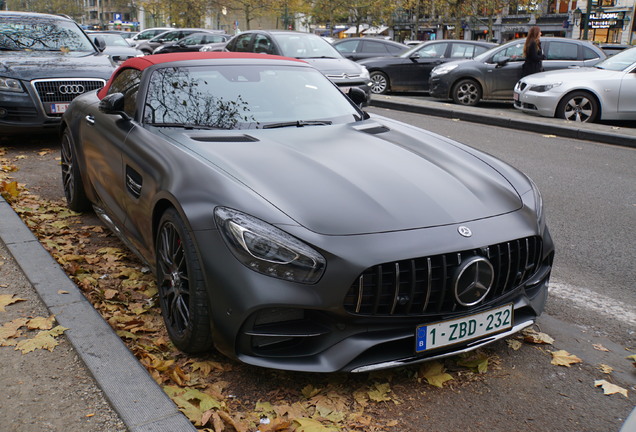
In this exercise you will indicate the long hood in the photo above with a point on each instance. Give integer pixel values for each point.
(35, 65)
(341, 179)
(334, 66)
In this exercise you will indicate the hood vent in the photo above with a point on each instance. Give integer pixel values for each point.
(225, 138)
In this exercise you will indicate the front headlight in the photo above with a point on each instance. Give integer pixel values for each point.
(443, 69)
(11, 85)
(544, 88)
(268, 250)
(365, 73)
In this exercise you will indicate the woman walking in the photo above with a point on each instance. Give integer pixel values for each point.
(532, 52)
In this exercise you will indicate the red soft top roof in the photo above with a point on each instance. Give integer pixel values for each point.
(144, 62)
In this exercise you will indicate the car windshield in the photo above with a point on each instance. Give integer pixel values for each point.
(28, 34)
(112, 39)
(305, 46)
(244, 97)
(620, 61)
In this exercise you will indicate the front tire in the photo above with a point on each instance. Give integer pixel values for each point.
(578, 106)
(74, 192)
(379, 82)
(182, 292)
(467, 92)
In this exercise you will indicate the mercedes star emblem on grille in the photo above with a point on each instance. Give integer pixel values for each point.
(71, 89)
(464, 231)
(473, 281)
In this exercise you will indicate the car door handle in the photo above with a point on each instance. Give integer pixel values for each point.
(90, 120)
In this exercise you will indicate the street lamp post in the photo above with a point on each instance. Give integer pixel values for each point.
(586, 25)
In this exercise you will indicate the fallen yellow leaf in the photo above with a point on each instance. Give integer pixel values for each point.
(606, 369)
(600, 347)
(8, 299)
(533, 336)
(609, 388)
(514, 344)
(435, 374)
(564, 358)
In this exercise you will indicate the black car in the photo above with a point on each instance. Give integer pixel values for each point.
(148, 47)
(290, 229)
(45, 62)
(410, 70)
(192, 42)
(493, 74)
(358, 48)
(309, 47)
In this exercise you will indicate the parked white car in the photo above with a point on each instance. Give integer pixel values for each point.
(606, 91)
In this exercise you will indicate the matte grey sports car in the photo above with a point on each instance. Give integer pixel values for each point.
(290, 229)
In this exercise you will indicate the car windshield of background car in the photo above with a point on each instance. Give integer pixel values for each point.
(244, 97)
(306, 46)
(113, 39)
(26, 34)
(620, 61)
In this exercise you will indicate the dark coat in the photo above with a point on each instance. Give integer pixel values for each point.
(534, 59)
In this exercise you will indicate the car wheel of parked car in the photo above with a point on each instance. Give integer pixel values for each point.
(71, 177)
(379, 83)
(182, 292)
(467, 92)
(578, 106)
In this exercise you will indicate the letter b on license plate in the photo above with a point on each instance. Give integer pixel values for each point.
(462, 329)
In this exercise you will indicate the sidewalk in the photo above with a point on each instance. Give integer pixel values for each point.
(138, 400)
(138, 403)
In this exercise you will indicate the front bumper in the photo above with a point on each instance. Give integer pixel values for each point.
(283, 325)
(439, 88)
(543, 104)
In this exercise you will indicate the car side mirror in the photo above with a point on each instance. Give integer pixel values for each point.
(415, 56)
(113, 104)
(503, 61)
(100, 43)
(358, 96)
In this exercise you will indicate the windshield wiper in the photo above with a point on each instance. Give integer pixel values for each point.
(297, 123)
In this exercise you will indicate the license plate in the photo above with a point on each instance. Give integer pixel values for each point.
(59, 108)
(515, 96)
(444, 333)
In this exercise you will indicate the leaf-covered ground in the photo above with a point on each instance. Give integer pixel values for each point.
(218, 394)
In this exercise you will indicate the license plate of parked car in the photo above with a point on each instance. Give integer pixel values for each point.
(59, 108)
(458, 330)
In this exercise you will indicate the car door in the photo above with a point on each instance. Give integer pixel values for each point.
(241, 43)
(413, 72)
(502, 71)
(371, 48)
(103, 136)
(561, 55)
(627, 95)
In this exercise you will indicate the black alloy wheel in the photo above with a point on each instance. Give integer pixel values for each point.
(74, 192)
(182, 292)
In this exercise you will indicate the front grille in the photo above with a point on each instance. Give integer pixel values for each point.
(423, 286)
(65, 90)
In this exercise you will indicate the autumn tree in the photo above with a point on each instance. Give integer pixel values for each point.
(72, 8)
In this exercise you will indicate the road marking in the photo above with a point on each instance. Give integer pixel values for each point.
(588, 299)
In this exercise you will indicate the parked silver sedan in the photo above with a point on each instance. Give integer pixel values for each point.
(606, 91)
